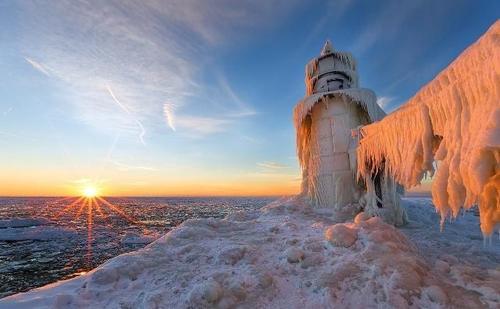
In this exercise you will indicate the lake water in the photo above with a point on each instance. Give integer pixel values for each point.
(43, 240)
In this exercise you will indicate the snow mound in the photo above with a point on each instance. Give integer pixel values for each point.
(41, 233)
(280, 257)
(454, 120)
(341, 235)
(23, 222)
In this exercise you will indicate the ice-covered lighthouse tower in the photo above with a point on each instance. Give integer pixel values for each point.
(327, 122)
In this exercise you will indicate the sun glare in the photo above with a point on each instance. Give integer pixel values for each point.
(91, 205)
(89, 191)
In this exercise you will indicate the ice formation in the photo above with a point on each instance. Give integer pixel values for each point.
(42, 233)
(285, 256)
(326, 122)
(454, 121)
(22, 222)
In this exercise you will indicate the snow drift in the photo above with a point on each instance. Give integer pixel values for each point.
(455, 121)
(283, 256)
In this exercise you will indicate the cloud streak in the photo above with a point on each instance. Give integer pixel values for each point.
(384, 101)
(242, 108)
(146, 53)
(126, 167)
(37, 66)
(387, 24)
(272, 165)
(168, 110)
(200, 126)
(125, 109)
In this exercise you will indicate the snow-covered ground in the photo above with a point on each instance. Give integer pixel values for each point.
(460, 238)
(287, 256)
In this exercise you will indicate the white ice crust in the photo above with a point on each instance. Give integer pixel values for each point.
(365, 98)
(455, 121)
(284, 256)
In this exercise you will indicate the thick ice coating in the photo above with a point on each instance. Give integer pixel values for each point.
(327, 121)
(454, 121)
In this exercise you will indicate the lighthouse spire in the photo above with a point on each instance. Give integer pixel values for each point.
(327, 48)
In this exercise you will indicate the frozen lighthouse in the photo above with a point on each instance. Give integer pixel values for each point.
(327, 123)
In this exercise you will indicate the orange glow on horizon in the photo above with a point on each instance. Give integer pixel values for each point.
(54, 181)
(156, 188)
(90, 191)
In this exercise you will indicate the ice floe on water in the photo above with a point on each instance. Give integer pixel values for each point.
(42, 233)
(23, 222)
(20, 229)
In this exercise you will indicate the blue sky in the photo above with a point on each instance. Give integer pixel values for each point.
(185, 97)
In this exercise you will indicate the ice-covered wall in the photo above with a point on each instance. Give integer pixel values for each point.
(364, 98)
(454, 121)
(332, 153)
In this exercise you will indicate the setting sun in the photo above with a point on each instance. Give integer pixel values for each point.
(90, 191)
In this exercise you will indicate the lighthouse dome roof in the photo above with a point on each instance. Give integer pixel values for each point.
(330, 64)
(327, 48)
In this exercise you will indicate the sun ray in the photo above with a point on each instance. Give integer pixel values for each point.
(62, 199)
(67, 208)
(89, 229)
(82, 206)
(90, 204)
(117, 210)
(98, 208)
(52, 204)
(57, 201)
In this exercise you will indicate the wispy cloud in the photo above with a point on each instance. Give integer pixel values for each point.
(229, 106)
(241, 109)
(384, 101)
(168, 110)
(193, 126)
(125, 109)
(334, 11)
(127, 167)
(272, 165)
(387, 24)
(273, 170)
(200, 126)
(142, 54)
(38, 66)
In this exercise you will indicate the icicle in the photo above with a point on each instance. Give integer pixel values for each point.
(455, 120)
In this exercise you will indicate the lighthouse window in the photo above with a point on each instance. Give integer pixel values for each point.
(334, 84)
